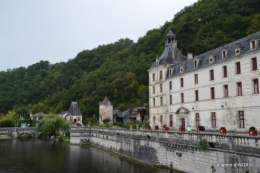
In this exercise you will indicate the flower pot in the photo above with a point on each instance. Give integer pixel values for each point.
(156, 128)
(166, 129)
(181, 129)
(223, 131)
(149, 128)
(252, 132)
(200, 129)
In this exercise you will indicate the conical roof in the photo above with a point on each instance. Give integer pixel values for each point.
(74, 109)
(106, 101)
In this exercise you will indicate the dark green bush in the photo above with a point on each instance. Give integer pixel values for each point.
(106, 120)
(119, 124)
(203, 144)
(252, 128)
(6, 123)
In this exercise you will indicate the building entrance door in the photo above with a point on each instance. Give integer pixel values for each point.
(183, 122)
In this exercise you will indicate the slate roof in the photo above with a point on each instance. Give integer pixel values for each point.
(63, 112)
(74, 110)
(127, 113)
(170, 54)
(39, 114)
(243, 44)
(106, 101)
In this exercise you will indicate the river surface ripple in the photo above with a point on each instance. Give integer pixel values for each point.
(37, 156)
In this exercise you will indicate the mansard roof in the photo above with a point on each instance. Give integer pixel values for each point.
(74, 110)
(203, 59)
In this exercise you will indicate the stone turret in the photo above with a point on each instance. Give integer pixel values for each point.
(105, 110)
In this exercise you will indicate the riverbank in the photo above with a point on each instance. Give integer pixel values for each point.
(4, 137)
(156, 166)
(64, 139)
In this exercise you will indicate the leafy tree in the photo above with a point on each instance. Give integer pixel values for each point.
(8, 119)
(52, 124)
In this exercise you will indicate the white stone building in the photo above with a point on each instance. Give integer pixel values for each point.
(219, 88)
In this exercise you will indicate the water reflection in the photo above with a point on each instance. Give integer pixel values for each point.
(44, 156)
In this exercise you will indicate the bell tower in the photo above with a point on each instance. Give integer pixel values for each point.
(170, 39)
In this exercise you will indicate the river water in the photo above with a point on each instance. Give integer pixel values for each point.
(37, 156)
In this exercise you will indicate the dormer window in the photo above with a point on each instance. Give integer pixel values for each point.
(211, 59)
(182, 69)
(224, 53)
(157, 61)
(196, 63)
(253, 44)
(170, 72)
(237, 50)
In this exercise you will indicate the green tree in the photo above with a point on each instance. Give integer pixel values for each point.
(52, 124)
(8, 119)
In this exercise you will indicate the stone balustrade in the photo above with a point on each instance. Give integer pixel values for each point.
(231, 142)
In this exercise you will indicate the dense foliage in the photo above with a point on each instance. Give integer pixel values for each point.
(119, 70)
(8, 119)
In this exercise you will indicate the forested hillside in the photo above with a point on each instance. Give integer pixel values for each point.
(119, 70)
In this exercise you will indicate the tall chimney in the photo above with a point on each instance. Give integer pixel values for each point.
(190, 56)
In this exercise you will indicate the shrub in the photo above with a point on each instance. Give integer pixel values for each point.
(6, 122)
(106, 120)
(222, 128)
(146, 125)
(252, 128)
(93, 122)
(201, 128)
(203, 144)
(119, 124)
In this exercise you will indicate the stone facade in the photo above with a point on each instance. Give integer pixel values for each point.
(177, 149)
(105, 110)
(74, 115)
(215, 89)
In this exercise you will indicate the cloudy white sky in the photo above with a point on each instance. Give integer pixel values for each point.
(56, 31)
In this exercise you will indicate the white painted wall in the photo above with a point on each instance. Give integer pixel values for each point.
(226, 116)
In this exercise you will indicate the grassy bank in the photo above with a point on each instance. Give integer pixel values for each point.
(64, 139)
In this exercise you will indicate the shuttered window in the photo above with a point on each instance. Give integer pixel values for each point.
(196, 95)
(211, 74)
(241, 119)
(224, 71)
(239, 89)
(238, 69)
(212, 90)
(254, 64)
(256, 86)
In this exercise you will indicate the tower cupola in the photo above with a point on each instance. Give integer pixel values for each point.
(170, 38)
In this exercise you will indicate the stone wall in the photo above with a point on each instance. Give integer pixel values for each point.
(161, 151)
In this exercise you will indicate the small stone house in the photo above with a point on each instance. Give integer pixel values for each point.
(74, 115)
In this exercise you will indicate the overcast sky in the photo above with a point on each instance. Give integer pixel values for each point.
(56, 30)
